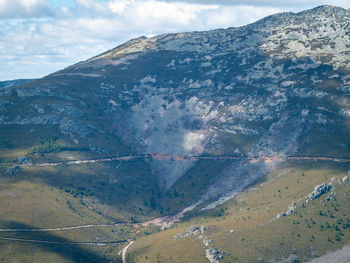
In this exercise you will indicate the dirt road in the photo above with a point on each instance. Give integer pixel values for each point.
(158, 156)
(62, 243)
(59, 228)
(123, 251)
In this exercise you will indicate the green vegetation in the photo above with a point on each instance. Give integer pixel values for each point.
(51, 145)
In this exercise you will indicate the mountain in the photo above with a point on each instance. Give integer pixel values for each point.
(187, 121)
(16, 82)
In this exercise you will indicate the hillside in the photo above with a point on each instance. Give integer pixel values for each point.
(12, 83)
(182, 121)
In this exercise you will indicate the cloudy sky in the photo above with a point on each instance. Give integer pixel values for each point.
(38, 37)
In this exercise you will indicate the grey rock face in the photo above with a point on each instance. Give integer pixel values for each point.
(214, 255)
(325, 188)
(71, 128)
(335, 182)
(193, 230)
(318, 191)
(207, 241)
(289, 211)
(330, 196)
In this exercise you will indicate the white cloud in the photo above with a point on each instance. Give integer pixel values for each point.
(296, 4)
(118, 6)
(24, 8)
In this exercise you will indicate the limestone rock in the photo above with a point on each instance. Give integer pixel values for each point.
(214, 255)
(319, 191)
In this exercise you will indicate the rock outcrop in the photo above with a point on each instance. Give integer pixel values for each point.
(290, 210)
(318, 191)
(214, 255)
(192, 231)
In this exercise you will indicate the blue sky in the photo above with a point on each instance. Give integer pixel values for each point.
(58, 3)
(38, 37)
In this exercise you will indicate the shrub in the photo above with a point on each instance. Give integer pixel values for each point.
(50, 145)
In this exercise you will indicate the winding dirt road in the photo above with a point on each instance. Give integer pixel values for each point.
(60, 228)
(158, 156)
(63, 243)
(123, 251)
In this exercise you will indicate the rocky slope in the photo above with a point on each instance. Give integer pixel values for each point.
(16, 82)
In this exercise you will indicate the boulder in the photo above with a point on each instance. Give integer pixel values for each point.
(214, 255)
(319, 191)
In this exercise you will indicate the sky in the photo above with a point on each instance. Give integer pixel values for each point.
(39, 37)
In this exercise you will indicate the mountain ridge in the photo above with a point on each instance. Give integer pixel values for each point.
(276, 18)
